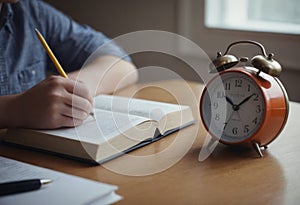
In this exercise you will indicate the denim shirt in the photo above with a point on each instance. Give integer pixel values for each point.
(23, 60)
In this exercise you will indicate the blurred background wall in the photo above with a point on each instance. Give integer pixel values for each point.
(117, 17)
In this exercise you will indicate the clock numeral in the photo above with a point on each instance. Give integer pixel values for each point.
(220, 94)
(258, 109)
(255, 97)
(235, 130)
(255, 121)
(238, 83)
(215, 105)
(227, 86)
(217, 117)
(249, 88)
(246, 129)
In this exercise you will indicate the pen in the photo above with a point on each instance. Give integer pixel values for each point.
(53, 58)
(22, 186)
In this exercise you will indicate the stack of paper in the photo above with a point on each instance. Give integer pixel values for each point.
(65, 189)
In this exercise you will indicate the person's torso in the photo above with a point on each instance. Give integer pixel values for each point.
(22, 60)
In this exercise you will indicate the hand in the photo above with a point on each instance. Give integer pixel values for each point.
(237, 107)
(234, 107)
(53, 103)
(229, 101)
(245, 100)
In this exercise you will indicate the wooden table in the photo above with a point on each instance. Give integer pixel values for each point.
(227, 176)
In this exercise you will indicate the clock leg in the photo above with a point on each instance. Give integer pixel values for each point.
(257, 149)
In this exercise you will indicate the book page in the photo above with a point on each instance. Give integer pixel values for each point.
(64, 188)
(106, 126)
(144, 108)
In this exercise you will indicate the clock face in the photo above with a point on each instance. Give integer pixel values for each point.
(233, 108)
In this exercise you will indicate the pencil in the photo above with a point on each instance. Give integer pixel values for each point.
(50, 54)
(53, 58)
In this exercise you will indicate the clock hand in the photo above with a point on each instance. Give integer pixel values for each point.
(228, 119)
(226, 123)
(234, 107)
(239, 116)
(229, 100)
(245, 100)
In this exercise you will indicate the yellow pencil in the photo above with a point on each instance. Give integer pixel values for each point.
(53, 58)
(51, 55)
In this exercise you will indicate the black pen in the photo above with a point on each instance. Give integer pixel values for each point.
(22, 186)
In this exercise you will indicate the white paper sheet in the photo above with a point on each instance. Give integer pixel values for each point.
(65, 189)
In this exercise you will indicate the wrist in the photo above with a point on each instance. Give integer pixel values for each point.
(9, 116)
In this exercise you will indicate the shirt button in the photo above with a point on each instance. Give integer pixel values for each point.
(2, 78)
(25, 76)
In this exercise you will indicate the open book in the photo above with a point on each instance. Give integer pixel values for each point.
(121, 124)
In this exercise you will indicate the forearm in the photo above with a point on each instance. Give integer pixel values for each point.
(106, 74)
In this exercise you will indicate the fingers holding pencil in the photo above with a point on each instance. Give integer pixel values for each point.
(78, 90)
(52, 104)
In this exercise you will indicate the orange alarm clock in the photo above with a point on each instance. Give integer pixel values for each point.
(245, 105)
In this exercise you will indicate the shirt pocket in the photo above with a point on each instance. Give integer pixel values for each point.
(31, 75)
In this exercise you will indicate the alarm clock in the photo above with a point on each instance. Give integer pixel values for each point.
(245, 105)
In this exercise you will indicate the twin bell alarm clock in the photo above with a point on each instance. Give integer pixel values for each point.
(245, 105)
